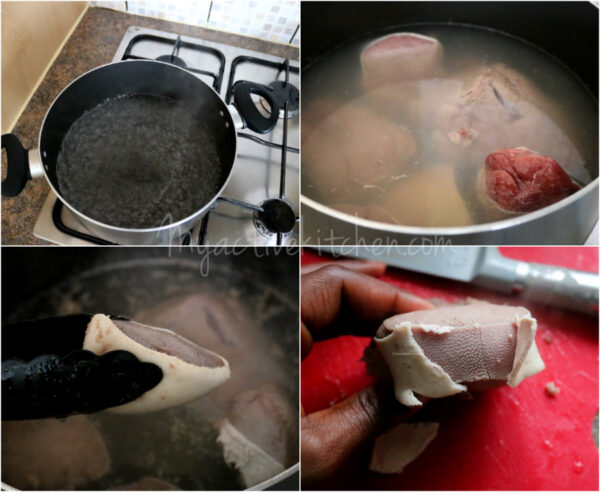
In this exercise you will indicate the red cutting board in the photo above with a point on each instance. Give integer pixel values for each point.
(504, 439)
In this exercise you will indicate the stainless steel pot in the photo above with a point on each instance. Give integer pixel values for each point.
(573, 40)
(569, 221)
(137, 77)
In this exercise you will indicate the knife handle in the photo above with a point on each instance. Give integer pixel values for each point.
(556, 286)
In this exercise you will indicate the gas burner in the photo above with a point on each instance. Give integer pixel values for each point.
(284, 91)
(173, 60)
(277, 217)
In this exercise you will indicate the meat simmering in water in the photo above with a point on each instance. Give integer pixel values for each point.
(52, 454)
(258, 434)
(459, 101)
(400, 56)
(413, 201)
(499, 109)
(354, 152)
(521, 180)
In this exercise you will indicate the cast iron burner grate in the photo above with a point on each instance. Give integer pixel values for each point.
(176, 60)
(274, 217)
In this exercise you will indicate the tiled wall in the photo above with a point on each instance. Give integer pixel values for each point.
(272, 20)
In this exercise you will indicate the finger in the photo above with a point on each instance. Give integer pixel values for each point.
(372, 268)
(359, 300)
(306, 341)
(331, 436)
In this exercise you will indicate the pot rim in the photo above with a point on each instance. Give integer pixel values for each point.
(452, 231)
(269, 482)
(161, 228)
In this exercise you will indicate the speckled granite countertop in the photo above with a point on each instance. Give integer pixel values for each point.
(93, 43)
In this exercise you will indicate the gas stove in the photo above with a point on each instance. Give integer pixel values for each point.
(260, 205)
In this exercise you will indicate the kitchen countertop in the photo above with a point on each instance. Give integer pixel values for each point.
(93, 43)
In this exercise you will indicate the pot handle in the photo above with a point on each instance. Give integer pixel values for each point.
(253, 119)
(17, 161)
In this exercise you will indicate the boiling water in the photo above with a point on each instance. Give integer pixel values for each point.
(137, 162)
(334, 84)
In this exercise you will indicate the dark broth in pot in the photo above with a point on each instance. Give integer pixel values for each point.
(439, 181)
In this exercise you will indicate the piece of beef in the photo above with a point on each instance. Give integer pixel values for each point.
(223, 324)
(441, 352)
(400, 56)
(52, 454)
(355, 152)
(429, 198)
(188, 370)
(520, 180)
(259, 436)
(500, 108)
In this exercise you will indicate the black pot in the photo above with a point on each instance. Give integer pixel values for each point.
(129, 78)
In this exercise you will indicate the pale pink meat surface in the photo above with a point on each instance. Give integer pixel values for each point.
(355, 152)
(499, 108)
(265, 417)
(398, 57)
(520, 180)
(415, 201)
(473, 353)
(472, 343)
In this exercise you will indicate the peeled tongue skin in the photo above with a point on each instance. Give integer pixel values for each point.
(189, 371)
(355, 152)
(401, 445)
(444, 351)
(222, 325)
(258, 434)
(52, 454)
(520, 180)
(400, 56)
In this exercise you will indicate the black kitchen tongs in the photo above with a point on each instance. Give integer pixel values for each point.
(46, 372)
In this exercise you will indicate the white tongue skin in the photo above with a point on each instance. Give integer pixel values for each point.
(258, 434)
(401, 445)
(189, 371)
(444, 351)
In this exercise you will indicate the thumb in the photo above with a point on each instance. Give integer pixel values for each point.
(333, 437)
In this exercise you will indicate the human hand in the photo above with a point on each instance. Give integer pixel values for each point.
(347, 298)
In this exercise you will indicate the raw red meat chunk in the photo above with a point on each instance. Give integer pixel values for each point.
(520, 180)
